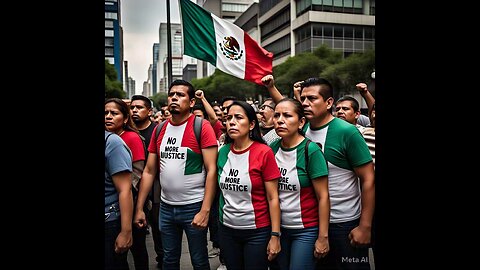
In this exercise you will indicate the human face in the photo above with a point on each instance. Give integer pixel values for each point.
(139, 112)
(178, 100)
(266, 110)
(286, 120)
(199, 113)
(225, 106)
(114, 119)
(218, 112)
(313, 103)
(157, 118)
(238, 125)
(346, 112)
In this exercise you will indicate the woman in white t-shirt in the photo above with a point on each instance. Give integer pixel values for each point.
(303, 190)
(249, 211)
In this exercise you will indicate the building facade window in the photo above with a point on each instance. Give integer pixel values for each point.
(279, 48)
(108, 24)
(110, 60)
(108, 51)
(277, 23)
(346, 38)
(109, 41)
(109, 33)
(266, 5)
(110, 15)
(229, 7)
(341, 6)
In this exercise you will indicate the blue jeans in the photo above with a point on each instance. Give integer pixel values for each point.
(174, 219)
(297, 249)
(342, 255)
(244, 249)
(113, 261)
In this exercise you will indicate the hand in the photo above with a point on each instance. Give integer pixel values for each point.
(360, 236)
(297, 88)
(200, 221)
(322, 247)
(140, 220)
(268, 81)
(273, 247)
(199, 94)
(123, 242)
(362, 88)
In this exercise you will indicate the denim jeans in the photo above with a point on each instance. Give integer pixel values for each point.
(342, 255)
(113, 261)
(244, 249)
(297, 249)
(174, 219)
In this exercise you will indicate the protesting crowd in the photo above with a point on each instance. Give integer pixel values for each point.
(288, 184)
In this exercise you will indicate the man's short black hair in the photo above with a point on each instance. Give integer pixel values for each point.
(148, 102)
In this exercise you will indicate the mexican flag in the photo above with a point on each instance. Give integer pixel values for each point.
(223, 44)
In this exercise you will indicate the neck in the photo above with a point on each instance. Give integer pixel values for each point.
(321, 121)
(241, 144)
(292, 141)
(141, 125)
(179, 118)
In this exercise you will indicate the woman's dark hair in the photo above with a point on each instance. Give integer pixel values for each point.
(123, 107)
(298, 109)
(255, 134)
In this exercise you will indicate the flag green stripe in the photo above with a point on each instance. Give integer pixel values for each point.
(198, 32)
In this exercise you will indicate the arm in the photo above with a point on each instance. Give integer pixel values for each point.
(367, 96)
(361, 234)
(273, 247)
(320, 185)
(210, 161)
(269, 82)
(212, 117)
(146, 184)
(123, 184)
(297, 89)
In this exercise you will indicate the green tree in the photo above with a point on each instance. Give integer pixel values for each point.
(347, 73)
(159, 100)
(113, 87)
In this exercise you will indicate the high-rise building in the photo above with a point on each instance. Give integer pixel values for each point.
(156, 48)
(114, 36)
(177, 52)
(290, 27)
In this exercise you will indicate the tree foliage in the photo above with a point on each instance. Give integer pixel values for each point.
(343, 73)
(113, 87)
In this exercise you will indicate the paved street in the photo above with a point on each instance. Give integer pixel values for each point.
(185, 263)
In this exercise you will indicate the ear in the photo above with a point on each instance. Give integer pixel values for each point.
(302, 122)
(252, 125)
(330, 102)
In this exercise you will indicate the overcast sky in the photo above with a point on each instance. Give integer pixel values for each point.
(140, 21)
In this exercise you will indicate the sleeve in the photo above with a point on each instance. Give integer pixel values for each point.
(270, 169)
(208, 136)
(118, 158)
(135, 144)
(217, 129)
(357, 150)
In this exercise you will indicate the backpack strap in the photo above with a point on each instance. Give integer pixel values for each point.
(197, 129)
(306, 154)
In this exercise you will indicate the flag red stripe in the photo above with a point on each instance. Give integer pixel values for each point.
(258, 61)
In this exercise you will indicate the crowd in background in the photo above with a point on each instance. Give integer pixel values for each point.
(288, 184)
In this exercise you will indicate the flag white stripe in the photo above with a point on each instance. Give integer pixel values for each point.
(224, 29)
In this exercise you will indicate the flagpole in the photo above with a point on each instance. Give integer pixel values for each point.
(169, 46)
